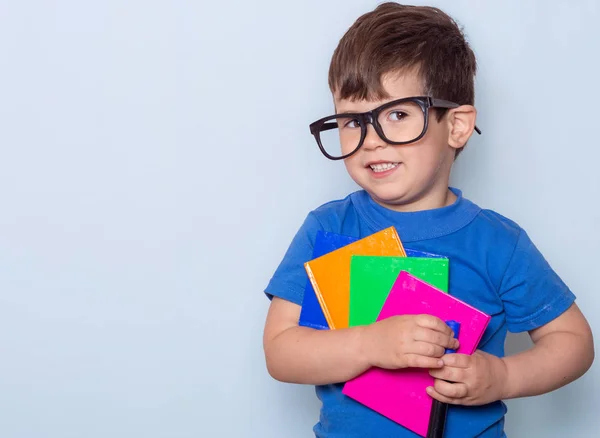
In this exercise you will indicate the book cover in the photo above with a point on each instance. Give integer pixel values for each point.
(400, 394)
(372, 278)
(417, 253)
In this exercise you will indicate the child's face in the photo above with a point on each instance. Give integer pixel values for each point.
(407, 177)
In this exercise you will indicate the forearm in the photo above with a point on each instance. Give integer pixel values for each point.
(556, 360)
(316, 357)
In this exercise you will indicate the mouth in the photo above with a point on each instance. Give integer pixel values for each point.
(383, 166)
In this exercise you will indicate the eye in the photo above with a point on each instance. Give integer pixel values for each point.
(396, 115)
(354, 123)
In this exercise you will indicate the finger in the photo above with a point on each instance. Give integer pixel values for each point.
(456, 375)
(427, 349)
(457, 360)
(433, 323)
(448, 400)
(434, 337)
(451, 390)
(418, 361)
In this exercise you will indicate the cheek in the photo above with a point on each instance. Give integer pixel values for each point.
(429, 154)
(353, 166)
(422, 156)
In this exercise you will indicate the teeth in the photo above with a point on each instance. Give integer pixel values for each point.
(382, 167)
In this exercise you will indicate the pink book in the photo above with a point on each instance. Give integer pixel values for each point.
(400, 394)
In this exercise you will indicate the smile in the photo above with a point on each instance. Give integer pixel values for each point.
(382, 167)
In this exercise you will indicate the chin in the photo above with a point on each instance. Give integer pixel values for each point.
(391, 197)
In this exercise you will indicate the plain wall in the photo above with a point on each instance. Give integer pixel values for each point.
(156, 161)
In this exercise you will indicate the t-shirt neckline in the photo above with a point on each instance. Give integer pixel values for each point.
(417, 225)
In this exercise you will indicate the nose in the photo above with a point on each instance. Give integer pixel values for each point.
(372, 139)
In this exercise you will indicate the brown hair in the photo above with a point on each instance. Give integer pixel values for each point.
(395, 38)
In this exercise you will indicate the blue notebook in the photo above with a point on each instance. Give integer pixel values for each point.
(415, 253)
(311, 314)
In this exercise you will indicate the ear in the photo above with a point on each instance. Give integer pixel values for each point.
(461, 124)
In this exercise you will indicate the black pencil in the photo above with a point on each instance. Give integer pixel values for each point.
(439, 410)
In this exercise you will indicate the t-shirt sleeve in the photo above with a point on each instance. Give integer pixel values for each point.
(289, 280)
(532, 292)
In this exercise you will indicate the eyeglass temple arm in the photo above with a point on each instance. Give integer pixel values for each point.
(328, 126)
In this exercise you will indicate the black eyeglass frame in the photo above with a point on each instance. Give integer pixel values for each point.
(372, 117)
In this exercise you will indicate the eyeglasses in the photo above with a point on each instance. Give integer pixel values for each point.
(398, 122)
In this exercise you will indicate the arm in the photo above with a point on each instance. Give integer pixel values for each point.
(298, 354)
(563, 348)
(563, 352)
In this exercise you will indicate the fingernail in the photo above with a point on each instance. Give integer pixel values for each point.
(441, 363)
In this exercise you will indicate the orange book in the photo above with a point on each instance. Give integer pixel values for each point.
(330, 273)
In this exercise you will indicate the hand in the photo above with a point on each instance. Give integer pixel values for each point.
(407, 341)
(469, 380)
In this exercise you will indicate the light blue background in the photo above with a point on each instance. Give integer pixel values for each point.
(155, 162)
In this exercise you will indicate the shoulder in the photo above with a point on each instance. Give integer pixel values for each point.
(497, 224)
(495, 237)
(488, 222)
(532, 292)
(333, 215)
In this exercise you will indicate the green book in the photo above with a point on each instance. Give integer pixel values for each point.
(372, 278)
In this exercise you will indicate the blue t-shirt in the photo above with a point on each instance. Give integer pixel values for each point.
(494, 266)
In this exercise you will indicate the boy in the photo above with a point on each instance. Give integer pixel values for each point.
(402, 79)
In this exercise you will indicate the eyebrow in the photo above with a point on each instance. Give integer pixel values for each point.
(380, 104)
(362, 112)
(349, 111)
(387, 100)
